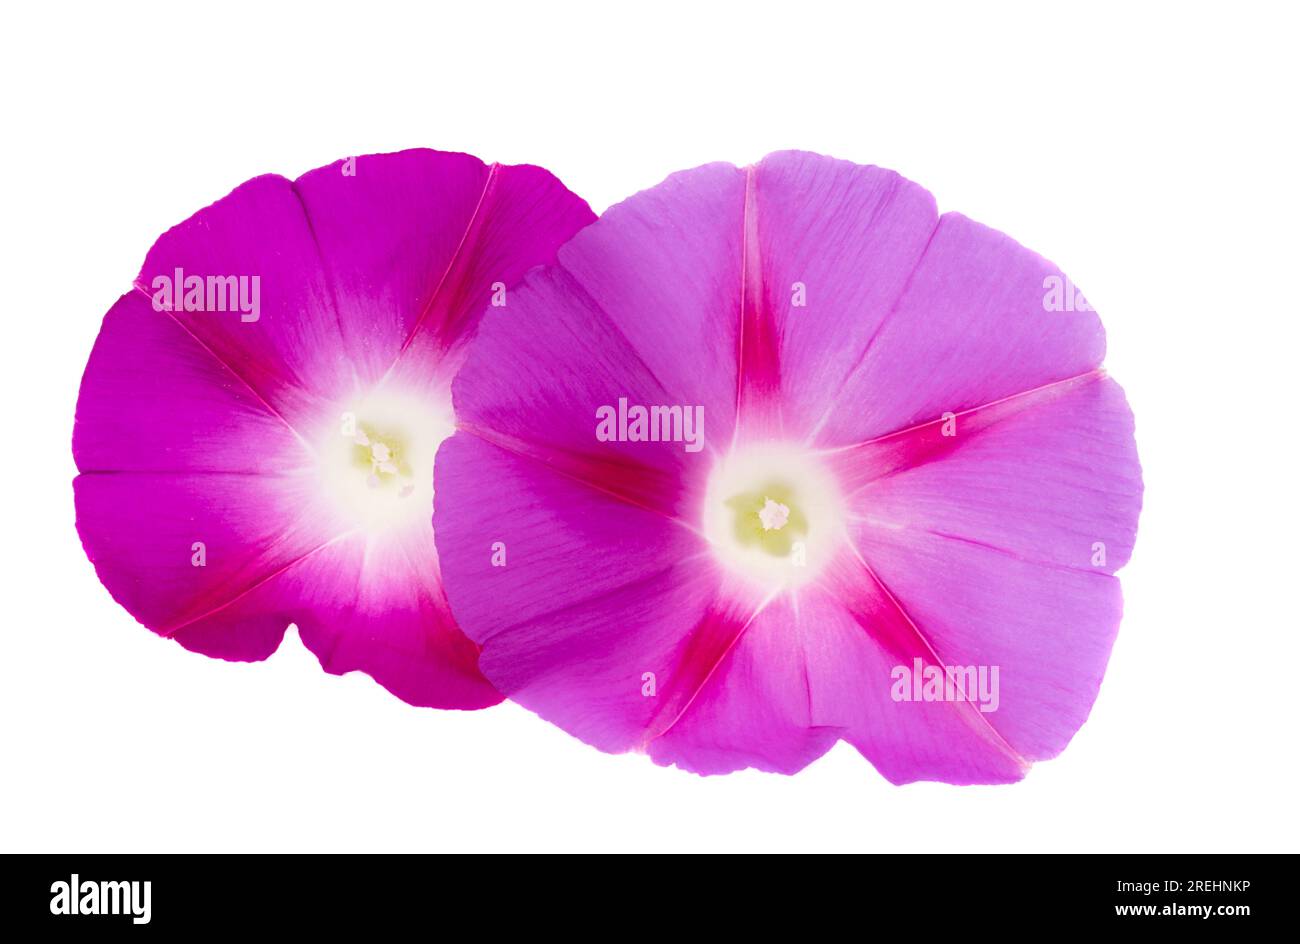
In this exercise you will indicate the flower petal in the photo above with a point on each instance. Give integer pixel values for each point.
(1043, 482)
(972, 327)
(536, 377)
(810, 670)
(155, 400)
(385, 258)
(754, 708)
(378, 607)
(838, 242)
(1003, 554)
(288, 349)
(568, 636)
(405, 285)
(664, 268)
(861, 638)
(177, 547)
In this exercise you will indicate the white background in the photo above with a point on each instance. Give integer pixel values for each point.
(1151, 152)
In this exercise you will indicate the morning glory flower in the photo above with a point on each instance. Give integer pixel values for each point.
(898, 525)
(258, 421)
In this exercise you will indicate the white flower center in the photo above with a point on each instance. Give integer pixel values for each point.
(376, 462)
(773, 514)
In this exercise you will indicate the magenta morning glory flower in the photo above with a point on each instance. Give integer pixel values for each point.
(258, 420)
(778, 456)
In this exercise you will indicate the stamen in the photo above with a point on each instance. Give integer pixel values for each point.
(774, 515)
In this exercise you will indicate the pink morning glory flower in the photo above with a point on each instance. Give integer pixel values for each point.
(258, 421)
(778, 456)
